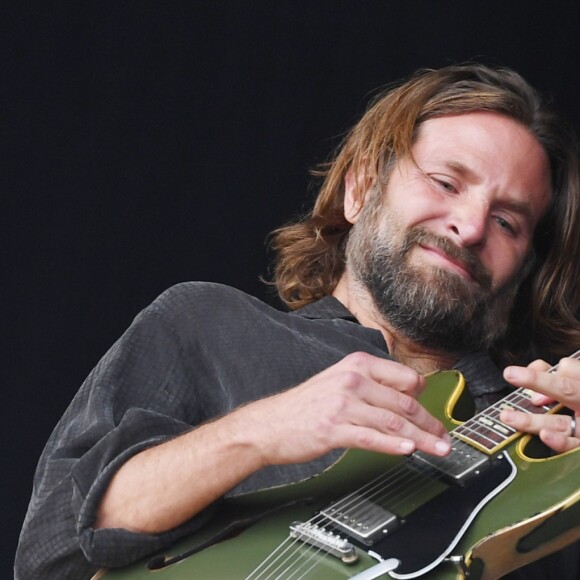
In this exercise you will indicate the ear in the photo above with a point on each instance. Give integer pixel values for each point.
(354, 195)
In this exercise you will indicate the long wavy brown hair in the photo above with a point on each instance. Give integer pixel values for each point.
(310, 253)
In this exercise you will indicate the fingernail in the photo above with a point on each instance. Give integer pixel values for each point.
(407, 446)
(442, 447)
(511, 373)
(507, 415)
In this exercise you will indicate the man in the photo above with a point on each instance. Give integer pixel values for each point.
(445, 236)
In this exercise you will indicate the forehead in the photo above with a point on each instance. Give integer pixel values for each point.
(483, 131)
(489, 149)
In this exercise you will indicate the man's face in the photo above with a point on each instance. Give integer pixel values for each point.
(442, 251)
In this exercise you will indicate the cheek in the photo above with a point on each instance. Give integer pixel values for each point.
(503, 261)
(416, 207)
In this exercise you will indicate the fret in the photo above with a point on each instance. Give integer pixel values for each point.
(484, 439)
(487, 433)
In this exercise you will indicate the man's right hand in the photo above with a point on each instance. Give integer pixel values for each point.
(361, 402)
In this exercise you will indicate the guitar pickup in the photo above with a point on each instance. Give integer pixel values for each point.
(457, 467)
(364, 520)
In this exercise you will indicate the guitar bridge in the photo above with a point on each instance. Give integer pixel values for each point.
(325, 540)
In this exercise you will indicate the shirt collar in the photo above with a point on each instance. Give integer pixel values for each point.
(481, 374)
(326, 308)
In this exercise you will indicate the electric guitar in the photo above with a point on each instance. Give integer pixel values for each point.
(495, 503)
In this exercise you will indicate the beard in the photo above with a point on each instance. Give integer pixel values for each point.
(433, 307)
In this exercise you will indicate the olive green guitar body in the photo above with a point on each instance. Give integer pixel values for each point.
(531, 510)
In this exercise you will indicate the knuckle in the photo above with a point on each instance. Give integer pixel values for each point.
(562, 423)
(325, 427)
(393, 423)
(539, 365)
(408, 405)
(414, 383)
(351, 380)
(365, 439)
(569, 388)
(337, 406)
(357, 359)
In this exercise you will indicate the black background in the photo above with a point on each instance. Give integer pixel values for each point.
(148, 143)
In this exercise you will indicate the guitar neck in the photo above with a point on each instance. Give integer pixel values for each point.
(486, 432)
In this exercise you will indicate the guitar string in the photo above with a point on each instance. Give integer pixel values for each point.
(289, 540)
(370, 492)
(318, 520)
(398, 471)
(307, 566)
(478, 429)
(395, 494)
(344, 504)
(514, 399)
(307, 554)
(279, 563)
(315, 520)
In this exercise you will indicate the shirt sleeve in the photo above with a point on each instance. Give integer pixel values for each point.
(138, 396)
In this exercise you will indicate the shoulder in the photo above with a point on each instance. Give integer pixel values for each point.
(192, 292)
(196, 302)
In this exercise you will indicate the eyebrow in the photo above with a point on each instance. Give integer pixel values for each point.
(521, 207)
(463, 170)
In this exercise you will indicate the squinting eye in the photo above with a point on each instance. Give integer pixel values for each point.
(444, 185)
(505, 225)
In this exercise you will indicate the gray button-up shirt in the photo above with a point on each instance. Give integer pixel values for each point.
(197, 352)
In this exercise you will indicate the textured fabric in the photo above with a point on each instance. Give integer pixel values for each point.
(199, 351)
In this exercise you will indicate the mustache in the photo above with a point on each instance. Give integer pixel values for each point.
(420, 236)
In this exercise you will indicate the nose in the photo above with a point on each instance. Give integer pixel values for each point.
(467, 223)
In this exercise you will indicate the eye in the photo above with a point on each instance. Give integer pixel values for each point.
(505, 225)
(444, 184)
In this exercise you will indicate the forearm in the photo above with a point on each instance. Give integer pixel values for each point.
(164, 486)
(361, 402)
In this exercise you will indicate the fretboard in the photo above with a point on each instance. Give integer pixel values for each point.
(486, 432)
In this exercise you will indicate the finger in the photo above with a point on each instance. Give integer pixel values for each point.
(554, 430)
(558, 441)
(390, 423)
(525, 377)
(546, 384)
(569, 367)
(358, 437)
(402, 405)
(386, 372)
(562, 385)
(539, 365)
(518, 375)
(532, 423)
(375, 440)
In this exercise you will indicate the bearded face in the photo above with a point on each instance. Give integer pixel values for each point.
(432, 306)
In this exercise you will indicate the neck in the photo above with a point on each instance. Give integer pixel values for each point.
(358, 301)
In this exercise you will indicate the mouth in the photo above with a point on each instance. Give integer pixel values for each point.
(442, 259)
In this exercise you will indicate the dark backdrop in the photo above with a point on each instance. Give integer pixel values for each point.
(148, 143)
